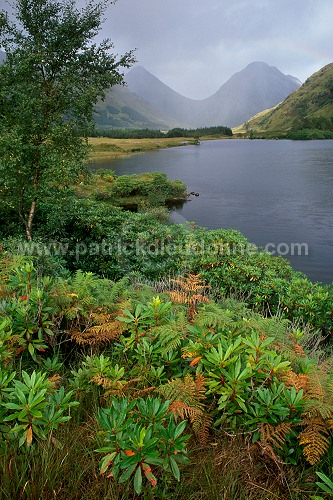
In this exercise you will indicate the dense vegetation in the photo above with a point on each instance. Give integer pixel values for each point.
(140, 346)
(139, 378)
(131, 348)
(127, 133)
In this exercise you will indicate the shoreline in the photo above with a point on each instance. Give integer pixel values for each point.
(105, 148)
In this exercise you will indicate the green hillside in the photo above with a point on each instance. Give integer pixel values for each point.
(306, 113)
(121, 108)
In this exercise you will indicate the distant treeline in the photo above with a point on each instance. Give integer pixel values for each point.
(145, 133)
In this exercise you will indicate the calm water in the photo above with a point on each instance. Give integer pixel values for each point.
(277, 193)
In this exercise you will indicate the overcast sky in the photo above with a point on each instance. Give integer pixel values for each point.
(194, 46)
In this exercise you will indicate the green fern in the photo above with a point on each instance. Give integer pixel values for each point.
(185, 391)
(170, 336)
(211, 315)
(118, 290)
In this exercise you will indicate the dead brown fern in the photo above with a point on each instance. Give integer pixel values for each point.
(274, 435)
(191, 292)
(297, 380)
(315, 438)
(317, 418)
(98, 334)
(120, 388)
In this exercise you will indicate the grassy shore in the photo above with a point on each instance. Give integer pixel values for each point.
(104, 148)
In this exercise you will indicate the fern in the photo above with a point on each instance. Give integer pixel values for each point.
(297, 380)
(315, 438)
(212, 316)
(187, 391)
(119, 289)
(169, 336)
(186, 398)
(191, 292)
(319, 394)
(274, 435)
(98, 334)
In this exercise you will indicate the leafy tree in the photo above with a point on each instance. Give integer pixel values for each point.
(53, 75)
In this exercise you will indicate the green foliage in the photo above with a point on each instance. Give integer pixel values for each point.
(205, 131)
(127, 133)
(29, 310)
(269, 284)
(154, 183)
(226, 370)
(33, 408)
(326, 484)
(49, 83)
(309, 134)
(140, 437)
(6, 341)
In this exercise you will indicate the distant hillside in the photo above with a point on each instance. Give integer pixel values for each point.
(148, 103)
(162, 97)
(309, 107)
(257, 87)
(121, 108)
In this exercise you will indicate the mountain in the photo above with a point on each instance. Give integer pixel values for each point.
(147, 102)
(257, 87)
(162, 97)
(121, 108)
(309, 107)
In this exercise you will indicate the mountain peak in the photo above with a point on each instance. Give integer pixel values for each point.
(309, 107)
(257, 87)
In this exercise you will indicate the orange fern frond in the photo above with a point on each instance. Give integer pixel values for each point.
(200, 383)
(178, 297)
(275, 435)
(98, 334)
(190, 282)
(142, 392)
(184, 411)
(191, 292)
(200, 421)
(315, 438)
(297, 380)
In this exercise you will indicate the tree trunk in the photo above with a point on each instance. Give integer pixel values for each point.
(28, 225)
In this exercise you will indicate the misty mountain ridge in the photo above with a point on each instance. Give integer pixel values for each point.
(146, 102)
(255, 88)
(310, 107)
(121, 108)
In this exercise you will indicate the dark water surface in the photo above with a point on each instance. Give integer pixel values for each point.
(277, 193)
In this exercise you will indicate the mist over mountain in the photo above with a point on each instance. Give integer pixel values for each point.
(309, 107)
(163, 98)
(255, 88)
(146, 102)
(121, 108)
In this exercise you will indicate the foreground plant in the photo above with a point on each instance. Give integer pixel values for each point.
(33, 407)
(141, 440)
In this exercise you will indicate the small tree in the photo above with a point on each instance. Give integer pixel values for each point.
(51, 79)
